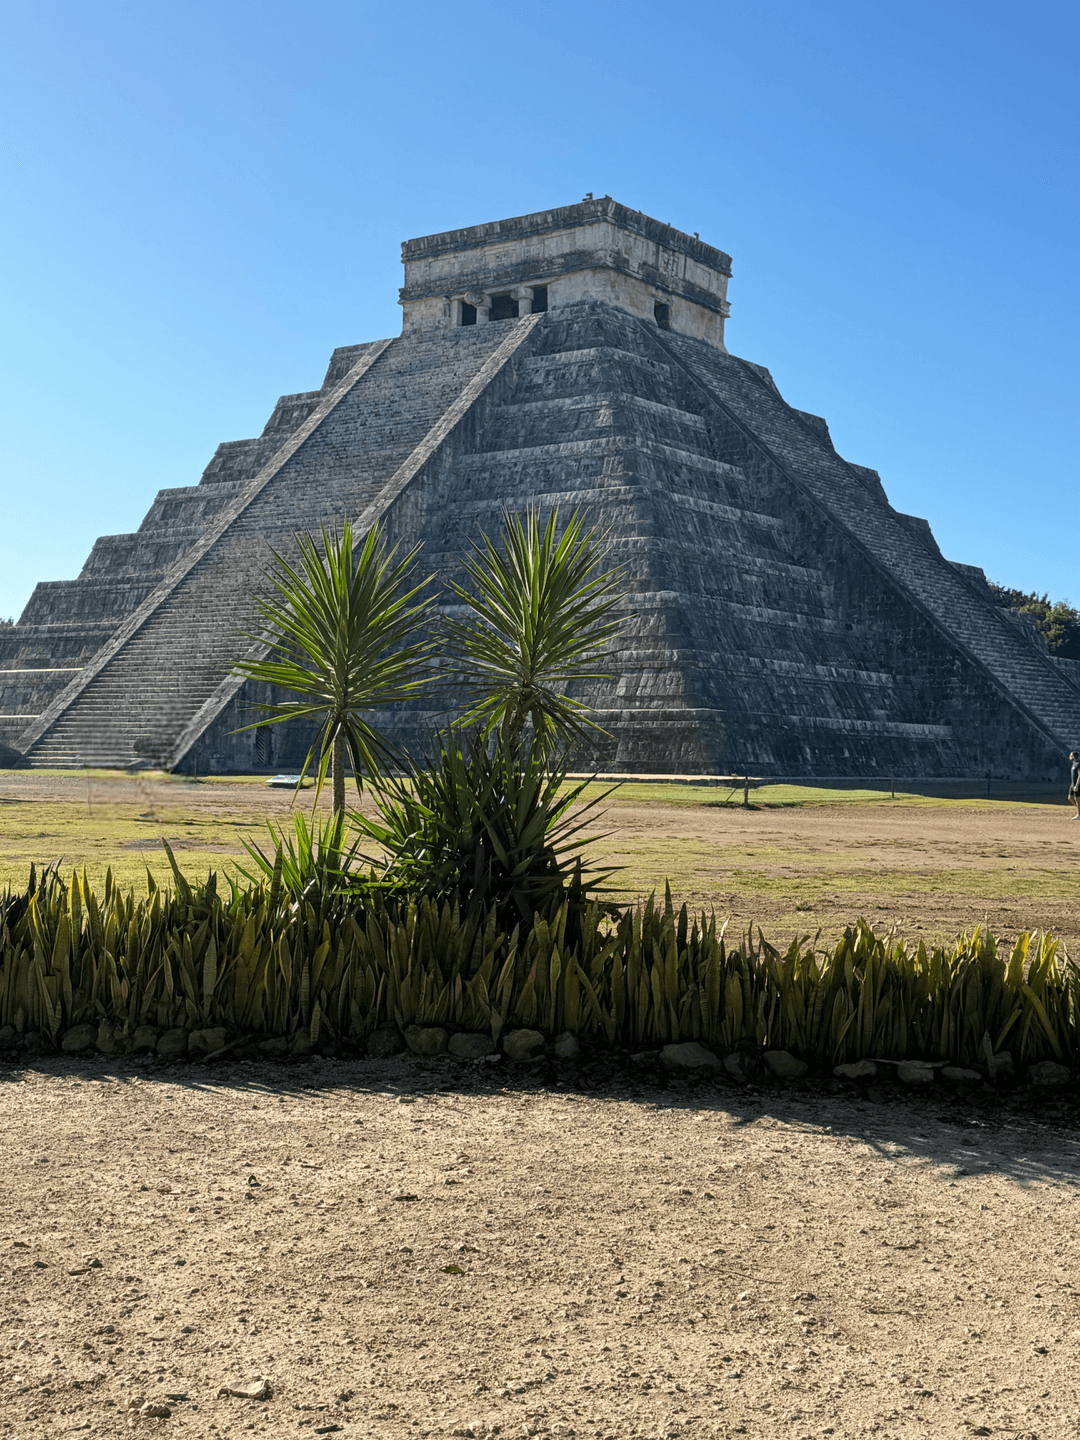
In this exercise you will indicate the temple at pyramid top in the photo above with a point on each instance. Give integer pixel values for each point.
(595, 250)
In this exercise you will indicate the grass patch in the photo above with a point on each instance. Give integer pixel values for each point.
(933, 795)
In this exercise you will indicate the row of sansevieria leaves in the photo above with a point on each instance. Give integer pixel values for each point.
(260, 962)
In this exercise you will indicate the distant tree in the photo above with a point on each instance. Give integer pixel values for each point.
(1058, 621)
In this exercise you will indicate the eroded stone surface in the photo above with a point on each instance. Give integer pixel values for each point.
(784, 1065)
(470, 1047)
(690, 1056)
(523, 1044)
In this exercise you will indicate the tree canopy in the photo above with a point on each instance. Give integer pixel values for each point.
(1058, 621)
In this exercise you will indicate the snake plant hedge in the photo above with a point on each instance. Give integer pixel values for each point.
(262, 962)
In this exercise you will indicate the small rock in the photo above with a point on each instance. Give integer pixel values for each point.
(145, 1037)
(300, 1044)
(277, 1045)
(382, 1044)
(1049, 1072)
(784, 1065)
(424, 1040)
(567, 1046)
(111, 1039)
(690, 1056)
(1000, 1066)
(7, 1036)
(523, 1044)
(251, 1390)
(855, 1070)
(740, 1064)
(207, 1042)
(79, 1037)
(172, 1044)
(958, 1075)
(915, 1072)
(152, 1411)
(470, 1047)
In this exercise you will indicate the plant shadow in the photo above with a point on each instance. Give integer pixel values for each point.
(1025, 1135)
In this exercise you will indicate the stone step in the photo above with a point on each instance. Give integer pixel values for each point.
(162, 674)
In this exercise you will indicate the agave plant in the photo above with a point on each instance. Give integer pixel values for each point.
(318, 861)
(476, 826)
(340, 634)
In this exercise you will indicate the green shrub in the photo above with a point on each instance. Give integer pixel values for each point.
(264, 961)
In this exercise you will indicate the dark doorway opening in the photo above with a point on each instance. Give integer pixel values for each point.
(468, 313)
(503, 307)
(539, 303)
(662, 315)
(264, 746)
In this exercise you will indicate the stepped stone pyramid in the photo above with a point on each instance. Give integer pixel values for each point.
(781, 616)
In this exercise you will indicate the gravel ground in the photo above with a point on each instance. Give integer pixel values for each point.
(409, 1248)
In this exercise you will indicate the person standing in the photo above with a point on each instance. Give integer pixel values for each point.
(1074, 781)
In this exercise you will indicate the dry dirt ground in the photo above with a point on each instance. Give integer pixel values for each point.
(423, 1248)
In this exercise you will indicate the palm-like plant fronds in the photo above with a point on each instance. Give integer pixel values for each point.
(544, 606)
(475, 826)
(339, 631)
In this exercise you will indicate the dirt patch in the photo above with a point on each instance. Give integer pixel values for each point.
(412, 1248)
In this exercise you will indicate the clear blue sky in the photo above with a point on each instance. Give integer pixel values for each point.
(203, 200)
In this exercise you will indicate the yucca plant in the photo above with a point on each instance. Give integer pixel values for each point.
(339, 632)
(541, 612)
(486, 818)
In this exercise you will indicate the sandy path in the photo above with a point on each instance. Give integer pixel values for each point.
(636, 1261)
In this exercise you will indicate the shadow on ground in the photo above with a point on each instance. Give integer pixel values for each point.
(1025, 1134)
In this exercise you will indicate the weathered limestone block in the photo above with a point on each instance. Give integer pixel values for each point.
(421, 1040)
(690, 1056)
(856, 1070)
(384, 1044)
(208, 1041)
(784, 1065)
(172, 1044)
(470, 1047)
(523, 1044)
(78, 1038)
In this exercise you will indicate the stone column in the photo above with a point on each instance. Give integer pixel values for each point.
(455, 312)
(524, 296)
(482, 302)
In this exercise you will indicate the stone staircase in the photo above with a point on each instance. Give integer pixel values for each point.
(1019, 667)
(139, 696)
